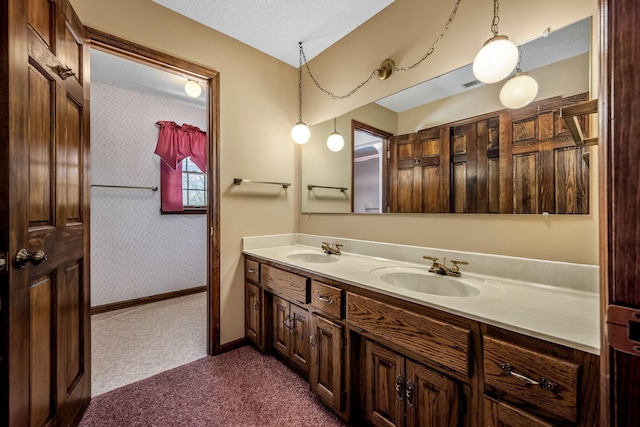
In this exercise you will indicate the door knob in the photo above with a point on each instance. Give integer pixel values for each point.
(24, 257)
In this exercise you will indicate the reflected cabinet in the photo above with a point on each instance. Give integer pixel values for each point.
(512, 161)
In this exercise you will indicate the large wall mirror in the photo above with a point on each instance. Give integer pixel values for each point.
(363, 177)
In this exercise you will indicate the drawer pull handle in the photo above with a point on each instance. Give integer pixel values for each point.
(251, 270)
(542, 382)
(325, 299)
(399, 384)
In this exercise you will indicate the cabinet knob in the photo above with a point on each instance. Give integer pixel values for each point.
(409, 392)
(313, 339)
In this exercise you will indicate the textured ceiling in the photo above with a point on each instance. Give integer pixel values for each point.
(276, 26)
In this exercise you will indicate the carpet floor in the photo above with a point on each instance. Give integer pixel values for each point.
(240, 388)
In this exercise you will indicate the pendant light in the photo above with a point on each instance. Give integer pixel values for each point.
(520, 89)
(300, 132)
(498, 57)
(335, 142)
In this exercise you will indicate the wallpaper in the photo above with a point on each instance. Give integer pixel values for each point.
(135, 251)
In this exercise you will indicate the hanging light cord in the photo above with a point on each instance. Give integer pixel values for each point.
(496, 18)
(452, 15)
(300, 86)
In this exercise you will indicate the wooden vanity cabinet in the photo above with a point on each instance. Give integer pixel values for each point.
(291, 332)
(525, 376)
(326, 368)
(402, 392)
(254, 320)
(500, 414)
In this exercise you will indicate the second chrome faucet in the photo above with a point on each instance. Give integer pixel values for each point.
(442, 269)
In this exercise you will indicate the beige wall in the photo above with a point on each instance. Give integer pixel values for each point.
(258, 106)
(258, 97)
(404, 31)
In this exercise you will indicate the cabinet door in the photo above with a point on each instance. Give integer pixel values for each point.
(325, 372)
(385, 390)
(281, 326)
(253, 314)
(498, 414)
(431, 399)
(300, 337)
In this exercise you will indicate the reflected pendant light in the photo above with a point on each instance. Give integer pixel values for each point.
(335, 142)
(520, 89)
(192, 89)
(300, 132)
(498, 57)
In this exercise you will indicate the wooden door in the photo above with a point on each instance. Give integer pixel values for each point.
(253, 313)
(431, 399)
(47, 355)
(326, 372)
(619, 154)
(384, 393)
(281, 326)
(300, 337)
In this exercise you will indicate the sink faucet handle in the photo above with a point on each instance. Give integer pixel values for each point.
(431, 258)
(456, 263)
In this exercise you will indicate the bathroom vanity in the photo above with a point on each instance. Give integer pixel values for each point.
(385, 342)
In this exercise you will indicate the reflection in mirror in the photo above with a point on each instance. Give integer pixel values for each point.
(559, 61)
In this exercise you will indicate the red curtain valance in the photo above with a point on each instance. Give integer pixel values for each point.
(176, 143)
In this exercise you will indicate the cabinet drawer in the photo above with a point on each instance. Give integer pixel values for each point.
(440, 342)
(499, 414)
(327, 299)
(252, 270)
(536, 380)
(283, 283)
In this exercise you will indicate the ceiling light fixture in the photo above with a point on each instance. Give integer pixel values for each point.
(335, 142)
(498, 57)
(300, 132)
(192, 88)
(520, 89)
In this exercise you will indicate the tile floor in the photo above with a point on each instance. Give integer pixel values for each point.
(134, 343)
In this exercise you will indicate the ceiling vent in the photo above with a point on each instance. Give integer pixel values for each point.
(469, 84)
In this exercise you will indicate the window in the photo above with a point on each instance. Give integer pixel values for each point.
(194, 187)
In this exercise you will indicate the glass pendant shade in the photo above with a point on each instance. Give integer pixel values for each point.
(192, 89)
(300, 133)
(496, 60)
(335, 142)
(518, 91)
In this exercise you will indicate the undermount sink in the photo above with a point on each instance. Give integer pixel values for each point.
(311, 257)
(421, 280)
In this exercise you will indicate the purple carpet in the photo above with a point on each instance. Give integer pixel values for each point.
(240, 388)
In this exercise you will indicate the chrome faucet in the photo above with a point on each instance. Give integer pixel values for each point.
(331, 248)
(442, 269)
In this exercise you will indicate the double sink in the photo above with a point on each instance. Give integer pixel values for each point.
(414, 279)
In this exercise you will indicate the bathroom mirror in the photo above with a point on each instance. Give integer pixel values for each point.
(355, 178)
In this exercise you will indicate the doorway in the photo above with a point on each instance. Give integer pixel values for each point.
(370, 146)
(209, 252)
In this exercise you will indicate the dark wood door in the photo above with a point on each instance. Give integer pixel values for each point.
(384, 393)
(619, 154)
(432, 399)
(300, 337)
(326, 372)
(253, 313)
(46, 312)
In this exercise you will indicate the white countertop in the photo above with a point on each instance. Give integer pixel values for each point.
(568, 316)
